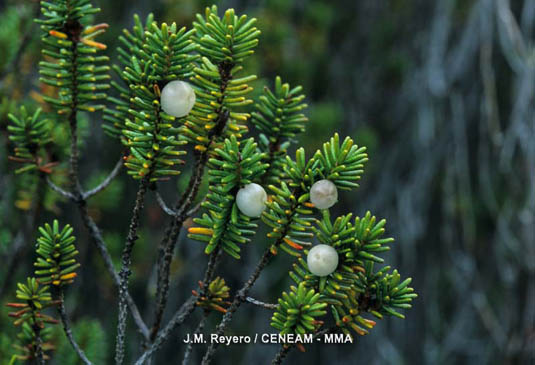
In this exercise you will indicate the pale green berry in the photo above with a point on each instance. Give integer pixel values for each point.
(323, 194)
(177, 98)
(251, 200)
(322, 260)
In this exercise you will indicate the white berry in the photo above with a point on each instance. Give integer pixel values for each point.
(323, 194)
(322, 260)
(177, 98)
(251, 200)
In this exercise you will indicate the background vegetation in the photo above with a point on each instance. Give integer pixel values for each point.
(442, 94)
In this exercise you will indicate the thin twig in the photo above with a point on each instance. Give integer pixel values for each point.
(197, 206)
(261, 304)
(172, 212)
(238, 299)
(59, 190)
(163, 205)
(286, 348)
(96, 235)
(215, 257)
(76, 189)
(67, 328)
(106, 181)
(200, 327)
(89, 193)
(183, 207)
(168, 244)
(283, 352)
(213, 261)
(77, 197)
(38, 351)
(240, 296)
(36, 328)
(180, 316)
(185, 310)
(125, 269)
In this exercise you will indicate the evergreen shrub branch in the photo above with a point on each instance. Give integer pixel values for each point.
(80, 76)
(181, 91)
(33, 340)
(279, 118)
(223, 44)
(31, 134)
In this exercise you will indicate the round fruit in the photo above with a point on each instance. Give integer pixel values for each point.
(323, 194)
(251, 200)
(177, 98)
(322, 260)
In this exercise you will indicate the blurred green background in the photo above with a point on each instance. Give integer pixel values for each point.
(442, 94)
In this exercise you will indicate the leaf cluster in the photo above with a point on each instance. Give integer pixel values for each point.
(278, 117)
(72, 62)
(224, 42)
(215, 295)
(342, 164)
(297, 311)
(210, 58)
(289, 213)
(130, 49)
(229, 39)
(385, 292)
(150, 56)
(354, 288)
(30, 134)
(28, 315)
(56, 263)
(233, 165)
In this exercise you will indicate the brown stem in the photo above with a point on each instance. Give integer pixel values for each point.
(183, 312)
(107, 181)
(244, 291)
(36, 328)
(168, 243)
(125, 269)
(180, 316)
(286, 348)
(200, 327)
(167, 246)
(96, 237)
(67, 328)
(261, 304)
(283, 352)
(238, 299)
(213, 261)
(73, 124)
(76, 190)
